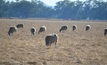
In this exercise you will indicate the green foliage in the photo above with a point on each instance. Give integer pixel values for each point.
(89, 9)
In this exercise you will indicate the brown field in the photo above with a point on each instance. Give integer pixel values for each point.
(74, 47)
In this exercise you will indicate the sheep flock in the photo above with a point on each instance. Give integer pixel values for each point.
(49, 38)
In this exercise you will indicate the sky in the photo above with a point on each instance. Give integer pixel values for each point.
(52, 2)
(48, 2)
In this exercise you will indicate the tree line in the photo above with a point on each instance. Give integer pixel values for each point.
(74, 10)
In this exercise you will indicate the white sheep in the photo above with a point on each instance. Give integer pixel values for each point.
(12, 30)
(42, 29)
(51, 38)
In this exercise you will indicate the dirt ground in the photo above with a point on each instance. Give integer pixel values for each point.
(77, 47)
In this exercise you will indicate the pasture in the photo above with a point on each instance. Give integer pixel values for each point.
(77, 47)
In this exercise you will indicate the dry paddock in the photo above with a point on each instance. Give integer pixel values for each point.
(73, 48)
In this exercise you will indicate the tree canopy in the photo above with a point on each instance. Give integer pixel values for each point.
(76, 10)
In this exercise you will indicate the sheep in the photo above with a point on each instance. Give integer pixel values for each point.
(42, 29)
(33, 31)
(12, 30)
(63, 28)
(88, 27)
(19, 25)
(105, 31)
(51, 38)
(74, 27)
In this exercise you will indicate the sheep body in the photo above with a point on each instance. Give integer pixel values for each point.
(33, 30)
(105, 31)
(19, 25)
(42, 29)
(63, 28)
(88, 27)
(51, 38)
(74, 27)
(12, 30)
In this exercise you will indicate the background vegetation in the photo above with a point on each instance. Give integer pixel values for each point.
(75, 10)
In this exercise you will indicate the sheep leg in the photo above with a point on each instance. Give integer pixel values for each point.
(49, 43)
(55, 44)
(33, 34)
(105, 34)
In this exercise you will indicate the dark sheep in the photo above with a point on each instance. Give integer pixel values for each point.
(63, 28)
(33, 31)
(105, 31)
(74, 27)
(42, 29)
(12, 30)
(19, 26)
(88, 27)
(51, 38)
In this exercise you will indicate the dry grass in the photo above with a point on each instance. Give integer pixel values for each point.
(74, 47)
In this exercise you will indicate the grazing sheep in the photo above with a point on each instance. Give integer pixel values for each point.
(33, 31)
(88, 27)
(74, 27)
(12, 30)
(51, 38)
(42, 29)
(105, 31)
(19, 25)
(63, 28)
